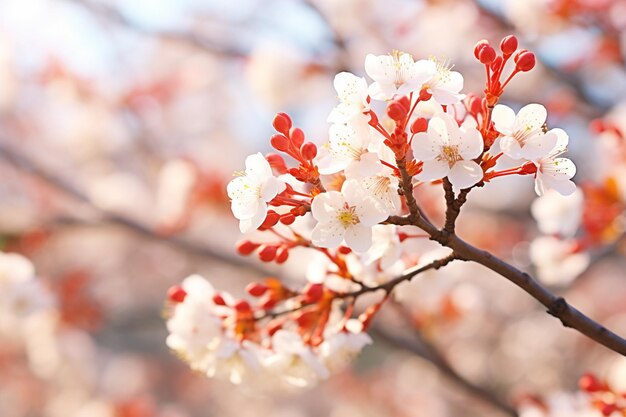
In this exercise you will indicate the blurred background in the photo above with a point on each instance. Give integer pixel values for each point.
(122, 121)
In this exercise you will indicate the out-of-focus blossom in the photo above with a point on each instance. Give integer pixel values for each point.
(558, 262)
(558, 214)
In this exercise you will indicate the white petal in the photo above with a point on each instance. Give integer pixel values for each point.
(328, 235)
(370, 211)
(251, 224)
(531, 117)
(377, 67)
(464, 174)
(472, 144)
(352, 192)
(244, 197)
(433, 170)
(510, 147)
(359, 238)
(538, 146)
(257, 167)
(446, 98)
(503, 118)
(272, 187)
(325, 205)
(426, 146)
(562, 138)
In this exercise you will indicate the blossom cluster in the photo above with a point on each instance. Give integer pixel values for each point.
(341, 201)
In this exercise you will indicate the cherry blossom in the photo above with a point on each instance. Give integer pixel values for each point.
(386, 247)
(554, 172)
(448, 150)
(444, 84)
(353, 97)
(250, 192)
(348, 215)
(557, 261)
(293, 361)
(558, 214)
(396, 74)
(347, 149)
(341, 347)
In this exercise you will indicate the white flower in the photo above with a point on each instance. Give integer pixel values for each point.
(554, 172)
(194, 324)
(558, 214)
(234, 360)
(352, 93)
(444, 84)
(385, 246)
(348, 215)
(448, 150)
(523, 135)
(293, 361)
(556, 261)
(378, 180)
(250, 192)
(340, 348)
(347, 149)
(395, 74)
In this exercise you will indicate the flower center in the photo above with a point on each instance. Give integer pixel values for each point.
(442, 75)
(347, 216)
(401, 68)
(450, 154)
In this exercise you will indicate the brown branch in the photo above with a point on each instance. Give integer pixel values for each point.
(453, 205)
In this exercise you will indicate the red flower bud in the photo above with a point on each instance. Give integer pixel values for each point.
(279, 142)
(282, 123)
(267, 253)
(419, 125)
(297, 136)
(256, 289)
(608, 409)
(404, 100)
(282, 255)
(176, 294)
(508, 45)
(590, 383)
(475, 105)
(524, 60)
(396, 111)
(344, 250)
(486, 55)
(277, 162)
(246, 247)
(271, 218)
(242, 306)
(287, 219)
(479, 47)
(313, 292)
(218, 300)
(496, 63)
(308, 151)
(268, 304)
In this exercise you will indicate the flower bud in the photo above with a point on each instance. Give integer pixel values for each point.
(269, 304)
(396, 111)
(475, 105)
(479, 47)
(279, 142)
(218, 300)
(308, 151)
(282, 123)
(344, 250)
(404, 100)
(277, 162)
(419, 125)
(590, 383)
(281, 255)
(271, 218)
(242, 306)
(524, 60)
(297, 136)
(287, 219)
(176, 294)
(313, 292)
(496, 63)
(508, 45)
(246, 247)
(256, 289)
(486, 55)
(267, 253)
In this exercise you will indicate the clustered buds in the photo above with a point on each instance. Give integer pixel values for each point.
(603, 397)
(524, 61)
